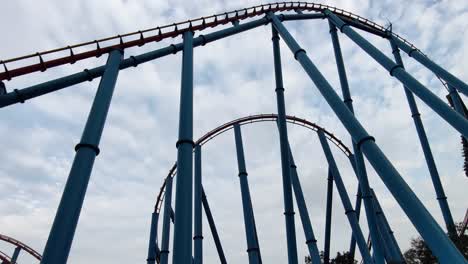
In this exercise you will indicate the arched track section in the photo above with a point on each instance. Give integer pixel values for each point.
(21, 245)
(96, 48)
(248, 120)
(5, 258)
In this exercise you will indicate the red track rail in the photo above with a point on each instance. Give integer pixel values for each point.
(23, 246)
(141, 37)
(248, 120)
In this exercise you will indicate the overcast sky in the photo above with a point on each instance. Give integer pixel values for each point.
(233, 78)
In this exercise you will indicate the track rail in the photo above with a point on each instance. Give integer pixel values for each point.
(98, 47)
(20, 244)
(5, 258)
(249, 120)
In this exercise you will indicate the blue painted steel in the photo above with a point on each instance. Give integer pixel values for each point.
(387, 233)
(349, 211)
(63, 229)
(357, 207)
(431, 232)
(436, 182)
(60, 83)
(452, 117)
(311, 241)
(166, 228)
(328, 218)
(182, 248)
(152, 245)
(252, 245)
(14, 257)
(457, 103)
(284, 146)
(197, 200)
(439, 71)
(214, 232)
(359, 159)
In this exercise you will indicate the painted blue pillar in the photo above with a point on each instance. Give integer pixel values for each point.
(182, 249)
(166, 228)
(455, 96)
(152, 244)
(284, 145)
(63, 229)
(14, 257)
(436, 182)
(433, 101)
(311, 241)
(252, 245)
(349, 211)
(359, 159)
(357, 206)
(432, 66)
(431, 232)
(328, 218)
(214, 231)
(197, 200)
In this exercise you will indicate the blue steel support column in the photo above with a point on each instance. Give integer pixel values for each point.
(214, 232)
(357, 206)
(328, 218)
(152, 244)
(166, 228)
(14, 257)
(182, 249)
(349, 211)
(252, 245)
(197, 200)
(439, 71)
(431, 232)
(359, 159)
(457, 104)
(63, 229)
(311, 241)
(284, 145)
(439, 189)
(433, 101)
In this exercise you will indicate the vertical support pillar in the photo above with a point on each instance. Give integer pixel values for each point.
(349, 211)
(198, 236)
(152, 244)
(182, 249)
(252, 243)
(359, 159)
(311, 241)
(439, 189)
(214, 231)
(328, 218)
(166, 228)
(283, 135)
(14, 257)
(423, 221)
(357, 207)
(63, 229)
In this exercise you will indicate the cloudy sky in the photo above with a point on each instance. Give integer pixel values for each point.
(233, 78)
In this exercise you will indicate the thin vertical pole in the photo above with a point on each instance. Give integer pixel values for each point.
(152, 244)
(349, 211)
(214, 231)
(283, 135)
(252, 245)
(328, 218)
(14, 257)
(197, 199)
(359, 159)
(311, 241)
(432, 66)
(63, 229)
(456, 120)
(166, 229)
(182, 249)
(426, 225)
(439, 189)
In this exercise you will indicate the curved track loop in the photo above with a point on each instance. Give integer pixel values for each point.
(5, 258)
(20, 244)
(248, 120)
(96, 48)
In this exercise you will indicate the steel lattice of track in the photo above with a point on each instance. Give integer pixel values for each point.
(385, 247)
